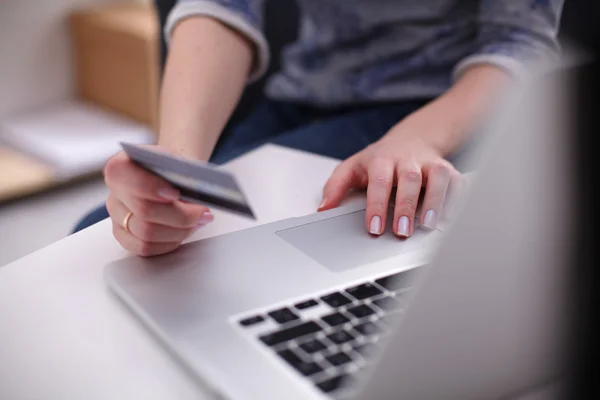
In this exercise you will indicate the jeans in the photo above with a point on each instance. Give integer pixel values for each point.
(337, 133)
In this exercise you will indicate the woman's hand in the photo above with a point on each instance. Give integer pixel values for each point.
(411, 156)
(404, 158)
(159, 222)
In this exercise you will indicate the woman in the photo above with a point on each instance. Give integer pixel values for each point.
(394, 87)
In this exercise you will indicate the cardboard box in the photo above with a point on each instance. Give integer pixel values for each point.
(116, 51)
(21, 175)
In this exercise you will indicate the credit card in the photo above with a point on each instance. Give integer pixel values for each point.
(197, 182)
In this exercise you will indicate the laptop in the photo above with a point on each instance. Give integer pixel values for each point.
(315, 308)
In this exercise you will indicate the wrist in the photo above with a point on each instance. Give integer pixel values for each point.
(459, 111)
(439, 125)
(476, 93)
(188, 150)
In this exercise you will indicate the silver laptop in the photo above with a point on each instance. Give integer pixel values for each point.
(315, 308)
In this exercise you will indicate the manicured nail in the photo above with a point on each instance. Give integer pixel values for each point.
(168, 193)
(206, 218)
(403, 226)
(430, 220)
(322, 204)
(375, 225)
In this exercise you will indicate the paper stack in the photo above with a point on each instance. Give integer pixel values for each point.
(73, 138)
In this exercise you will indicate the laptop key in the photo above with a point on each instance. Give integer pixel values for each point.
(363, 291)
(332, 384)
(305, 368)
(338, 359)
(312, 346)
(306, 304)
(388, 303)
(401, 280)
(361, 311)
(340, 337)
(252, 320)
(365, 349)
(283, 315)
(336, 299)
(368, 328)
(284, 335)
(335, 319)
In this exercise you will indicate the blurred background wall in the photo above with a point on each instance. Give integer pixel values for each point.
(35, 52)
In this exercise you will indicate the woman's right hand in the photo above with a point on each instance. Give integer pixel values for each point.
(159, 221)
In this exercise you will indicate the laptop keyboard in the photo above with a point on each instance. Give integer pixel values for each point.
(328, 339)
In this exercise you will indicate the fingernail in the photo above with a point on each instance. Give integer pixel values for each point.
(322, 204)
(206, 218)
(375, 225)
(168, 193)
(403, 226)
(430, 220)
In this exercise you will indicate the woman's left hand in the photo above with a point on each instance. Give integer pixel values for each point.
(405, 158)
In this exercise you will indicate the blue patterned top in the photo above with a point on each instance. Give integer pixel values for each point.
(358, 51)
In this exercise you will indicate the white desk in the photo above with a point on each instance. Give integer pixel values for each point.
(63, 335)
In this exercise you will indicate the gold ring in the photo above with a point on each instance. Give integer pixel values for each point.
(126, 222)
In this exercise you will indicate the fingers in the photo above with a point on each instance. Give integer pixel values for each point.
(176, 214)
(144, 236)
(145, 230)
(381, 180)
(345, 177)
(159, 222)
(140, 247)
(407, 197)
(123, 176)
(438, 179)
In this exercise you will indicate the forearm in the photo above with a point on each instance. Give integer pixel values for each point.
(516, 39)
(207, 69)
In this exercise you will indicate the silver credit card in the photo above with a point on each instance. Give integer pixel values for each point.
(197, 182)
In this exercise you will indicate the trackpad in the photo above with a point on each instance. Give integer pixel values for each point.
(342, 243)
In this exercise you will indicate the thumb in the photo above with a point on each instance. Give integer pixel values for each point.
(343, 178)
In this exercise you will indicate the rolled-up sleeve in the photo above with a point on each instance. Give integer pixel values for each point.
(518, 36)
(244, 16)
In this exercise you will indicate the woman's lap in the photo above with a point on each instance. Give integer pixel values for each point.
(337, 133)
